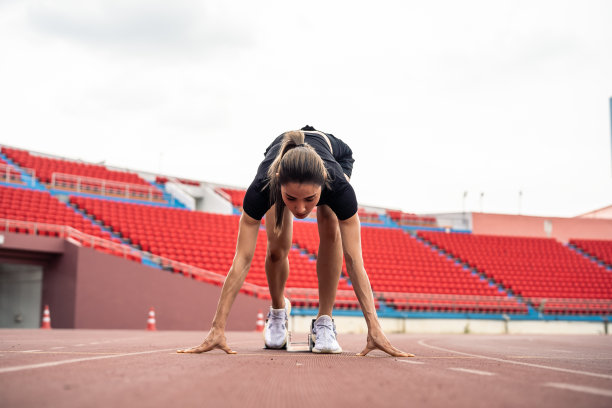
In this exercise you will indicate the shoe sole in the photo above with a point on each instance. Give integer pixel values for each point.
(338, 351)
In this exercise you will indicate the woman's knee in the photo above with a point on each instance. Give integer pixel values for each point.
(277, 253)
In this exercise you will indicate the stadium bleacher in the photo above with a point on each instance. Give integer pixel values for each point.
(41, 207)
(598, 248)
(8, 174)
(205, 240)
(236, 196)
(402, 218)
(86, 177)
(164, 180)
(428, 272)
(397, 263)
(540, 270)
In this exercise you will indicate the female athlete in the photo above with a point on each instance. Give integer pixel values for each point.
(301, 169)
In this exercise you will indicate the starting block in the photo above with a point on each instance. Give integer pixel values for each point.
(295, 345)
(298, 344)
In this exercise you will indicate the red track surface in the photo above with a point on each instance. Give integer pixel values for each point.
(96, 368)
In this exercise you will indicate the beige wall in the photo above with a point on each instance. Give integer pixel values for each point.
(561, 229)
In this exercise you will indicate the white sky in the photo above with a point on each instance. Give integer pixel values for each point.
(434, 97)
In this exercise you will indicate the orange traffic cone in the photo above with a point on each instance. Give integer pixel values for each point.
(46, 320)
(259, 326)
(151, 320)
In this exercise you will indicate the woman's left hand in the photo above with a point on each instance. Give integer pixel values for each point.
(378, 340)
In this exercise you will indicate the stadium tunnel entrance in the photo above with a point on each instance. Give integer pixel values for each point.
(89, 289)
(25, 263)
(20, 295)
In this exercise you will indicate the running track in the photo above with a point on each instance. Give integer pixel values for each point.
(102, 368)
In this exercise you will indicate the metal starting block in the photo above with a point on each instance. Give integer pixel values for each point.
(295, 345)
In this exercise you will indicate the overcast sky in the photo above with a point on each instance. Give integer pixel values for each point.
(434, 97)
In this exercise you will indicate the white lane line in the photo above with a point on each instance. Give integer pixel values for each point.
(467, 370)
(57, 348)
(410, 361)
(564, 370)
(30, 351)
(581, 388)
(79, 345)
(94, 343)
(74, 360)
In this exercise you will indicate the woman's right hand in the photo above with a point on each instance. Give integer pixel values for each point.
(214, 340)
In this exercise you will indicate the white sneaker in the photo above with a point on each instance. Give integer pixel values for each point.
(324, 330)
(276, 330)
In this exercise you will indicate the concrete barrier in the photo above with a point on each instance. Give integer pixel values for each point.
(356, 324)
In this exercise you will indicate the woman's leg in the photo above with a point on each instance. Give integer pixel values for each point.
(329, 259)
(277, 253)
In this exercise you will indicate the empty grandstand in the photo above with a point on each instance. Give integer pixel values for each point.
(417, 265)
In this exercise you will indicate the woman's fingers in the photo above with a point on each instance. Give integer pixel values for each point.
(227, 349)
(204, 347)
(195, 350)
(365, 351)
(392, 351)
(223, 346)
(396, 352)
(386, 346)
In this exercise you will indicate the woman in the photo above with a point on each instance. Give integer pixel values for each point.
(301, 170)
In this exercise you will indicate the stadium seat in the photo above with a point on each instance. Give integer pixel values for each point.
(601, 249)
(40, 207)
(541, 270)
(85, 177)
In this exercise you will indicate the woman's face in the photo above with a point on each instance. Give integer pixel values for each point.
(300, 198)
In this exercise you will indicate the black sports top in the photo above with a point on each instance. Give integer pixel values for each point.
(340, 195)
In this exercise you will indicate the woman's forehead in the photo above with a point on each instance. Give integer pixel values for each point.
(301, 190)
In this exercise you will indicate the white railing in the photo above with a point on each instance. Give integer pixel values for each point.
(309, 297)
(91, 185)
(559, 305)
(223, 194)
(9, 174)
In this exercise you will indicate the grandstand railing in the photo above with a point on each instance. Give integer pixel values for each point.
(309, 297)
(577, 305)
(8, 174)
(223, 194)
(119, 249)
(91, 185)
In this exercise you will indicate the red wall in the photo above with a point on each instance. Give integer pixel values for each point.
(562, 228)
(85, 288)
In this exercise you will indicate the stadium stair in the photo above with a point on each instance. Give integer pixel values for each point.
(169, 198)
(25, 177)
(30, 205)
(599, 251)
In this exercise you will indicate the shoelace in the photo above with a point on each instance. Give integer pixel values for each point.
(276, 320)
(327, 333)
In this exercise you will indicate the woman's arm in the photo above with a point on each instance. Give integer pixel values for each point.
(245, 249)
(350, 231)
